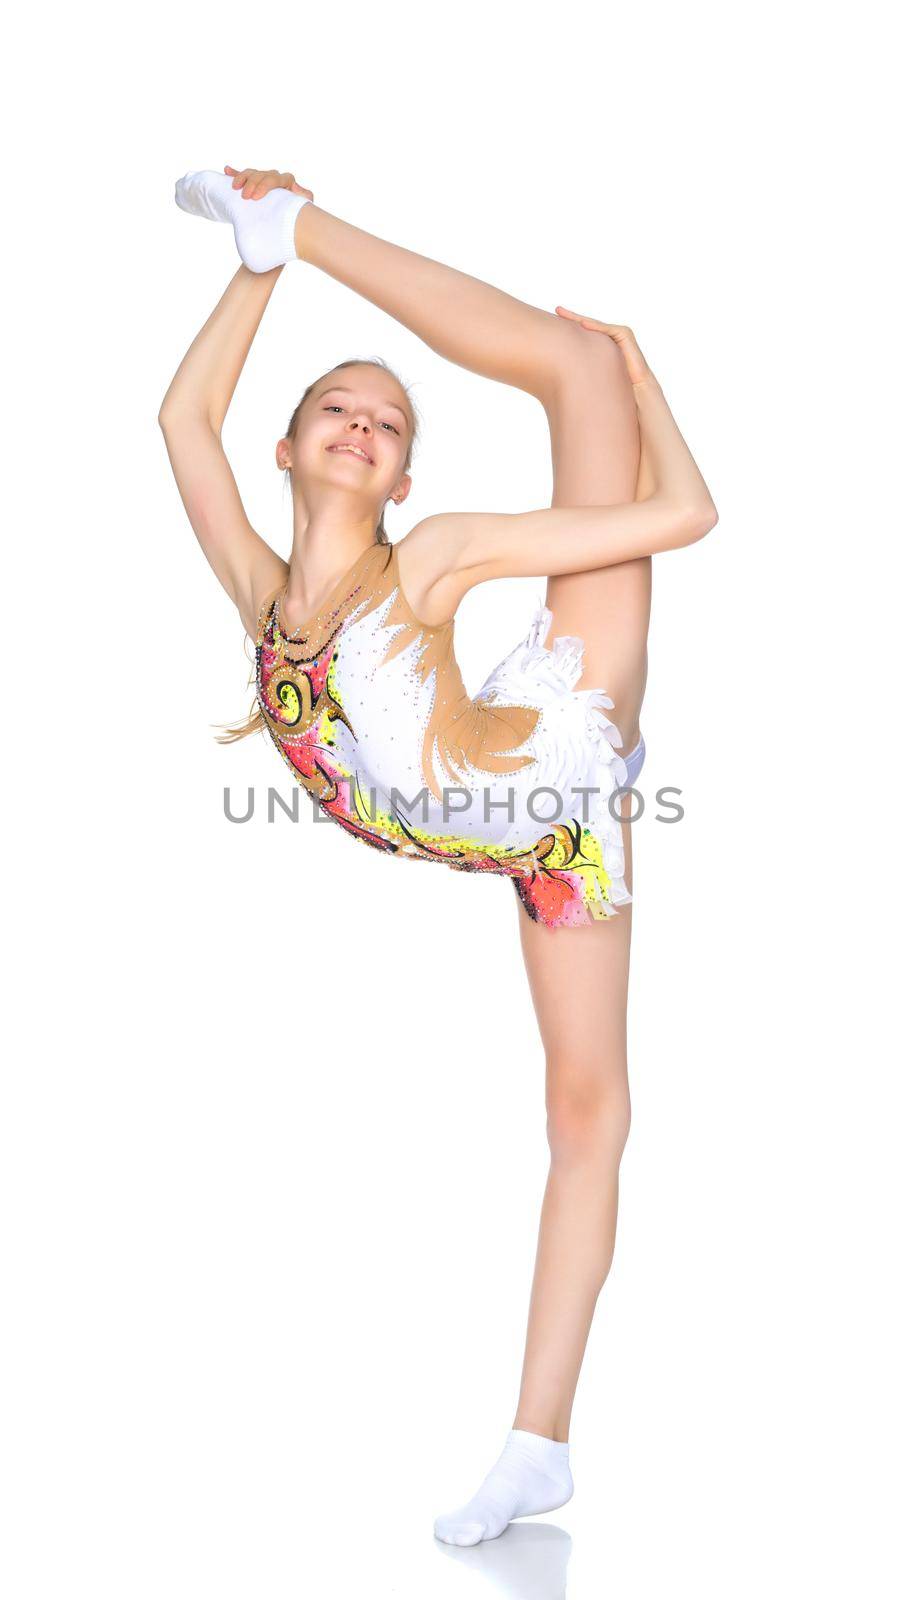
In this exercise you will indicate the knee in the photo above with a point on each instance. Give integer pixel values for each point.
(579, 347)
(583, 364)
(588, 1115)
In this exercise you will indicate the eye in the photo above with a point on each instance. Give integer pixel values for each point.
(336, 407)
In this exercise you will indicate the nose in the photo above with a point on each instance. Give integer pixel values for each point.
(364, 425)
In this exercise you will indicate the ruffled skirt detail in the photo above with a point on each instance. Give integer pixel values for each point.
(574, 874)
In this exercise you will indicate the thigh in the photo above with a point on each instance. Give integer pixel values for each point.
(579, 976)
(578, 979)
(595, 448)
(594, 430)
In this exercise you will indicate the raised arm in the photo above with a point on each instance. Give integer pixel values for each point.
(674, 508)
(191, 417)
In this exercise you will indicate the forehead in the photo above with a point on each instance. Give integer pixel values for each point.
(347, 389)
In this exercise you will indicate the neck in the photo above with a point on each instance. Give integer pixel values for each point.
(318, 560)
(319, 556)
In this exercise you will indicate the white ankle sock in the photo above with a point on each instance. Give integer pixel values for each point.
(531, 1475)
(263, 229)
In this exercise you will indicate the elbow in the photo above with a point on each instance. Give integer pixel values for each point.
(174, 415)
(699, 520)
(172, 403)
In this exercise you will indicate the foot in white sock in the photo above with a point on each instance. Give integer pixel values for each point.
(531, 1475)
(263, 229)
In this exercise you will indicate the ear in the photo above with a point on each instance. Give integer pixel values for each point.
(283, 454)
(400, 490)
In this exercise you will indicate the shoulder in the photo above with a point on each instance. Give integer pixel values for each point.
(431, 575)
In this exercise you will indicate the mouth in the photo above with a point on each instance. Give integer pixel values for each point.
(353, 450)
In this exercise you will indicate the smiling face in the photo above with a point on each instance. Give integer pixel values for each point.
(352, 438)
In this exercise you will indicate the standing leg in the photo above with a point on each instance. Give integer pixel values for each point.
(588, 1118)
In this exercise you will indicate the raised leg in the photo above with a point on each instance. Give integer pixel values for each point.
(580, 379)
(595, 448)
(467, 321)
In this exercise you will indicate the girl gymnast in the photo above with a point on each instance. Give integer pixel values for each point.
(358, 685)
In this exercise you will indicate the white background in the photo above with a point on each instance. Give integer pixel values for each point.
(273, 1129)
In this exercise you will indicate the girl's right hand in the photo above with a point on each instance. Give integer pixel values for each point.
(637, 368)
(255, 183)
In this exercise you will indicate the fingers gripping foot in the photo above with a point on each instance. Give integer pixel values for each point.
(263, 229)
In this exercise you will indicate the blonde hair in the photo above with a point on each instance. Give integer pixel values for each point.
(255, 721)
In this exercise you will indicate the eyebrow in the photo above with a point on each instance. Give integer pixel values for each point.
(338, 388)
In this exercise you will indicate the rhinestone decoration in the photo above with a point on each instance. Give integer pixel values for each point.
(316, 688)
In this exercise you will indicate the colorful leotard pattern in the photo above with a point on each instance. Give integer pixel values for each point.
(367, 706)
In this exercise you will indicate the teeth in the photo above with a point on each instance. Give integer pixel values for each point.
(352, 449)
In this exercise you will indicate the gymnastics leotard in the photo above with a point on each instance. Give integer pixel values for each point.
(368, 707)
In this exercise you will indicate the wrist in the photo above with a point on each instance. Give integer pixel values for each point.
(648, 389)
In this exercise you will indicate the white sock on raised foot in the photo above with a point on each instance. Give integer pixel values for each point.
(263, 229)
(531, 1475)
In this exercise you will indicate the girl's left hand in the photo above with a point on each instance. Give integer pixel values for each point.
(255, 183)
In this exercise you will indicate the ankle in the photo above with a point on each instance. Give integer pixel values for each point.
(303, 227)
(547, 1430)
